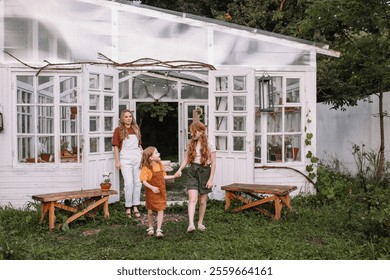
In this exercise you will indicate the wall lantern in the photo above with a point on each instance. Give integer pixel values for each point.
(266, 92)
(1, 119)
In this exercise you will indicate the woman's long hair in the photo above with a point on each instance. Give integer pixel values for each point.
(204, 147)
(122, 128)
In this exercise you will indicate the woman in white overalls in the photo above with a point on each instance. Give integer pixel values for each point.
(128, 150)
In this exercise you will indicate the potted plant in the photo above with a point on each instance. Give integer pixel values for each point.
(64, 148)
(45, 157)
(105, 184)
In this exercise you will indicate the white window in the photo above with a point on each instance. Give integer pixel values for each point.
(278, 130)
(48, 114)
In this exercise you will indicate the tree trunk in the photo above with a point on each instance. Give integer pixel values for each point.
(381, 155)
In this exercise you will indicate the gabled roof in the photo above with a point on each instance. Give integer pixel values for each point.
(321, 48)
(77, 30)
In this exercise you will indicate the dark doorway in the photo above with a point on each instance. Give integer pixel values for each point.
(159, 127)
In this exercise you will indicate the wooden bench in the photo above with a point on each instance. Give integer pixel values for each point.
(88, 200)
(249, 195)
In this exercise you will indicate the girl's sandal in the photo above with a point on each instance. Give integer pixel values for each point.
(150, 231)
(159, 234)
(201, 227)
(191, 229)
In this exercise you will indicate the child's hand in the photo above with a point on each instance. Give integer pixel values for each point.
(177, 174)
(155, 190)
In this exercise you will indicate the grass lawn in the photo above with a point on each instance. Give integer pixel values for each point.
(303, 234)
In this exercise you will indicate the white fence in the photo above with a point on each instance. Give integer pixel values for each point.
(338, 130)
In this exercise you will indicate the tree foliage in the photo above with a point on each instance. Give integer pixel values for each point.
(360, 30)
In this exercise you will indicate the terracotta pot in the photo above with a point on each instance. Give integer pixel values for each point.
(105, 186)
(296, 150)
(45, 157)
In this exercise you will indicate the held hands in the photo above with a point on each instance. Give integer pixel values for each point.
(177, 174)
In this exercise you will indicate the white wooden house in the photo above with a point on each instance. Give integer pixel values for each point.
(68, 67)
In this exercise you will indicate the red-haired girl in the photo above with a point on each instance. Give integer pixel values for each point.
(153, 178)
(201, 155)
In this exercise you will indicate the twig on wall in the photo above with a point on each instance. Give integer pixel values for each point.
(139, 63)
(287, 167)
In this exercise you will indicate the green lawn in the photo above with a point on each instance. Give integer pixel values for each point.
(304, 234)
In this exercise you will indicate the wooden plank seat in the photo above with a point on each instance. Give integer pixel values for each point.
(82, 203)
(254, 195)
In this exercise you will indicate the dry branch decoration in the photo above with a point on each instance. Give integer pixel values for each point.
(139, 63)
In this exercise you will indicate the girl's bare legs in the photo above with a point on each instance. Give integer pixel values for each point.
(202, 207)
(150, 218)
(192, 201)
(160, 216)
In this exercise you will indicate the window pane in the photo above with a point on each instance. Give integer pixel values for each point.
(257, 148)
(25, 89)
(93, 81)
(93, 102)
(239, 124)
(108, 103)
(274, 120)
(46, 149)
(45, 119)
(107, 144)
(94, 145)
(221, 84)
(124, 89)
(292, 121)
(108, 82)
(194, 92)
(108, 123)
(221, 143)
(239, 143)
(25, 119)
(274, 144)
(26, 149)
(239, 83)
(292, 90)
(93, 123)
(45, 90)
(239, 103)
(221, 123)
(258, 121)
(68, 89)
(221, 104)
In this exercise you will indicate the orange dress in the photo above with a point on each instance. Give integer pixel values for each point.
(155, 177)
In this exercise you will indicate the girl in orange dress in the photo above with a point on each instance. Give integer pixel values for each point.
(153, 178)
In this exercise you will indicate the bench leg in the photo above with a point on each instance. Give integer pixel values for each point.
(227, 200)
(45, 209)
(105, 209)
(286, 200)
(52, 216)
(278, 208)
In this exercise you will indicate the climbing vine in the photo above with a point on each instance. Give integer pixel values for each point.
(309, 155)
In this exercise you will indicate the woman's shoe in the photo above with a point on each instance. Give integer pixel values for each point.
(191, 229)
(128, 213)
(150, 231)
(137, 214)
(159, 234)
